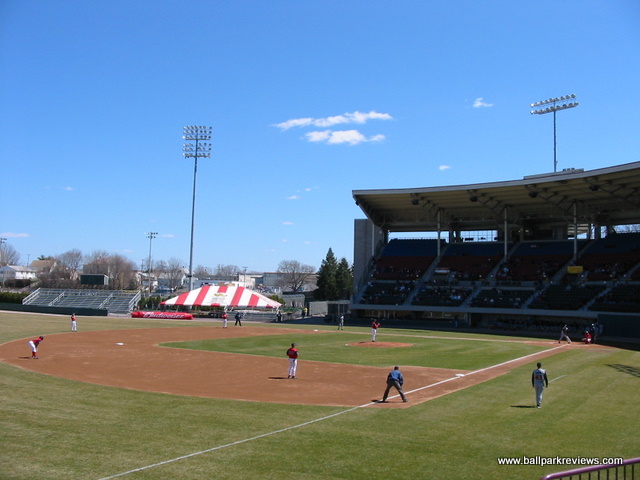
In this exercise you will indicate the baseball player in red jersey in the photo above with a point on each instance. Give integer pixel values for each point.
(292, 353)
(374, 330)
(34, 346)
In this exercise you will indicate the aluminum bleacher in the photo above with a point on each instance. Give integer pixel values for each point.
(114, 301)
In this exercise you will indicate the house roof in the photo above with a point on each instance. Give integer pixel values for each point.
(43, 265)
(607, 196)
(19, 268)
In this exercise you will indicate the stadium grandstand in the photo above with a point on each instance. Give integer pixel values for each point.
(533, 254)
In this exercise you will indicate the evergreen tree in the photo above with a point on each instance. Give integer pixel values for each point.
(327, 284)
(344, 279)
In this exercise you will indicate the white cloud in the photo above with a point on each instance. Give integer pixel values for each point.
(376, 138)
(14, 235)
(444, 167)
(480, 103)
(293, 197)
(352, 137)
(296, 122)
(354, 117)
(288, 223)
(68, 189)
(318, 136)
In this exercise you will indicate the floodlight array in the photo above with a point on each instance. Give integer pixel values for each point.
(554, 104)
(197, 134)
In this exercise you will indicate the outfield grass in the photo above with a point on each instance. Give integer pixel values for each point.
(52, 428)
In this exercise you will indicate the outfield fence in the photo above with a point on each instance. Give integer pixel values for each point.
(626, 470)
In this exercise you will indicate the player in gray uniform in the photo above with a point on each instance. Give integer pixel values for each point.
(564, 334)
(539, 381)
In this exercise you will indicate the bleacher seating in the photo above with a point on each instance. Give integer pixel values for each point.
(441, 296)
(612, 257)
(387, 293)
(114, 301)
(622, 298)
(407, 269)
(501, 298)
(537, 261)
(471, 261)
(566, 297)
(405, 259)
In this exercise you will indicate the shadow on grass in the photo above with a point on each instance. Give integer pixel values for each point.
(635, 371)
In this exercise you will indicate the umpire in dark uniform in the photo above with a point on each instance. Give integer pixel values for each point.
(395, 380)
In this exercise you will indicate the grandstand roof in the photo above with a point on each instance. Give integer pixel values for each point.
(607, 196)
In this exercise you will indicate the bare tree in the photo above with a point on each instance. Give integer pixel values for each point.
(8, 255)
(226, 270)
(97, 257)
(201, 270)
(120, 270)
(68, 264)
(293, 274)
(175, 272)
(121, 273)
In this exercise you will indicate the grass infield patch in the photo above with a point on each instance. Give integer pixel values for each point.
(332, 347)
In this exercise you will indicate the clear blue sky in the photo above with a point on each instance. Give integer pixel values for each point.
(308, 100)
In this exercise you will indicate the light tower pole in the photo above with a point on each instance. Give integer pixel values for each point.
(196, 135)
(150, 236)
(553, 105)
(2, 259)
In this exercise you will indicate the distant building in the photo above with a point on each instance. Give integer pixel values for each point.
(17, 272)
(43, 267)
(273, 282)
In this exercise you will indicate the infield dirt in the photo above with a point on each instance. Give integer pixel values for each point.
(133, 359)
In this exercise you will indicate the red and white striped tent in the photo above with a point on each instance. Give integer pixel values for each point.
(223, 296)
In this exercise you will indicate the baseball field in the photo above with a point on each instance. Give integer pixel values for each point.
(169, 399)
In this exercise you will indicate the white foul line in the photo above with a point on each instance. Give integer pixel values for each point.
(557, 378)
(219, 447)
(483, 369)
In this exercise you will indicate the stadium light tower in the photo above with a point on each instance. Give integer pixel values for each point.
(195, 149)
(150, 236)
(553, 105)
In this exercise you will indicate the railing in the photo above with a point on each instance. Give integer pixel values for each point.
(31, 297)
(627, 470)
